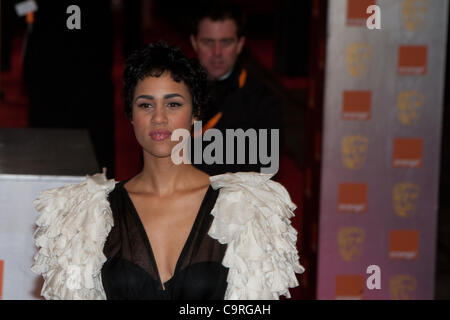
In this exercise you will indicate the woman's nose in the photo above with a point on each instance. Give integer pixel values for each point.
(159, 115)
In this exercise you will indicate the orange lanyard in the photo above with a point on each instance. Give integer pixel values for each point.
(213, 121)
(30, 17)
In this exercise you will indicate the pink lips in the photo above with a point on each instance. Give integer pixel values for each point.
(159, 135)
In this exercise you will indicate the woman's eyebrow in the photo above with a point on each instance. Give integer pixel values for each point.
(166, 96)
(173, 95)
(145, 96)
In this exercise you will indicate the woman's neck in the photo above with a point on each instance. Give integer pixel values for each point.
(162, 177)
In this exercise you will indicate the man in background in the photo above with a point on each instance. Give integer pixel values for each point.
(238, 99)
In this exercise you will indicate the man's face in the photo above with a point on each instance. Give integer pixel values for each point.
(217, 46)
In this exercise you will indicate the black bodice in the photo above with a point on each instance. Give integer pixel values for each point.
(130, 271)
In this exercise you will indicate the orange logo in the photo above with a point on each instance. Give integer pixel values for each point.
(358, 56)
(356, 12)
(356, 105)
(349, 287)
(407, 153)
(1, 279)
(412, 60)
(413, 12)
(350, 241)
(354, 151)
(402, 287)
(352, 197)
(404, 244)
(404, 196)
(409, 105)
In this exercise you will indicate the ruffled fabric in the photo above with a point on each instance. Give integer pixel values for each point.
(73, 226)
(252, 216)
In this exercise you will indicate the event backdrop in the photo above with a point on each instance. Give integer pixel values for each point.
(381, 148)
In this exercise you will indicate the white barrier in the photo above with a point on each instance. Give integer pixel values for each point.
(17, 226)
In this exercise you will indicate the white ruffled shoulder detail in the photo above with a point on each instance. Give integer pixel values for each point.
(72, 229)
(251, 216)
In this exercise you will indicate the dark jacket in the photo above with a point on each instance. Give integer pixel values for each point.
(245, 103)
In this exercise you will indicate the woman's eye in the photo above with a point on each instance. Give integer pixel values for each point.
(144, 105)
(174, 104)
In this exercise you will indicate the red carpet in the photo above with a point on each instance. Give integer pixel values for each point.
(14, 106)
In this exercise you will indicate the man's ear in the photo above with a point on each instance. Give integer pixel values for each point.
(240, 45)
(193, 42)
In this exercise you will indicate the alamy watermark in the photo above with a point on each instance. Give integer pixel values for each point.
(374, 280)
(374, 21)
(74, 20)
(235, 140)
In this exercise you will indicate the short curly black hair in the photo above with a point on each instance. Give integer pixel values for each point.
(153, 61)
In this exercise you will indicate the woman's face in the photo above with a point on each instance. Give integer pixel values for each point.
(160, 105)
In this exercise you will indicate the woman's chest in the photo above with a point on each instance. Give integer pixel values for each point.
(167, 222)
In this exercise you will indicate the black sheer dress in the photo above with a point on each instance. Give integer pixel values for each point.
(130, 271)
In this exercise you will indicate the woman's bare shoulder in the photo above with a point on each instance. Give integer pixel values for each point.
(131, 185)
(200, 179)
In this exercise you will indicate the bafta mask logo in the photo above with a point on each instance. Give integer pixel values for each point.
(409, 106)
(405, 197)
(402, 287)
(358, 58)
(350, 241)
(413, 12)
(354, 151)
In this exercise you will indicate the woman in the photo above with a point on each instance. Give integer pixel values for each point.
(171, 232)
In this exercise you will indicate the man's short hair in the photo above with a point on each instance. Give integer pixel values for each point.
(220, 11)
